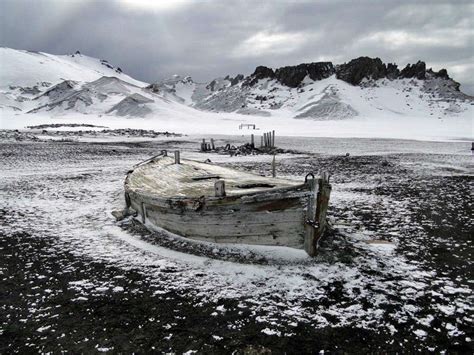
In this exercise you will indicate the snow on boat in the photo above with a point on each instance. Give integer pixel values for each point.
(213, 203)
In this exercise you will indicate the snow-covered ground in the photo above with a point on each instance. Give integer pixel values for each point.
(401, 291)
(452, 128)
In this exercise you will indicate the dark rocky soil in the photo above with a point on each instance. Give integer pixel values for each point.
(65, 289)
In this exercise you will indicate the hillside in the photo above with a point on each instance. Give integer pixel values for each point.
(33, 82)
(362, 98)
(364, 87)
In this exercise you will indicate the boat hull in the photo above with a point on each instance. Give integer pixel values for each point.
(292, 216)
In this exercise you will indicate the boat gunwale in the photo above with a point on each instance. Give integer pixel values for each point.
(230, 198)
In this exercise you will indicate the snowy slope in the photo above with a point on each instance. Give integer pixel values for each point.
(27, 69)
(365, 87)
(330, 99)
(62, 85)
(40, 88)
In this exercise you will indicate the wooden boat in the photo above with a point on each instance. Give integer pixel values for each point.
(213, 203)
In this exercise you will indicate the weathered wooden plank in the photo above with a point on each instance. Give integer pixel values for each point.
(219, 188)
(212, 230)
(310, 235)
(322, 207)
(229, 216)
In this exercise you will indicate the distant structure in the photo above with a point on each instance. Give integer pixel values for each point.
(248, 125)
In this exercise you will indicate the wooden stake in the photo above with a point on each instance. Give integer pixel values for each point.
(219, 188)
(322, 207)
(273, 166)
(212, 144)
(176, 157)
(261, 141)
(273, 139)
(252, 142)
(311, 229)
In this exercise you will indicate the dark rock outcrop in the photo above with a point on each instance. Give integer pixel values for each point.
(417, 70)
(292, 76)
(392, 71)
(261, 72)
(238, 78)
(155, 88)
(361, 68)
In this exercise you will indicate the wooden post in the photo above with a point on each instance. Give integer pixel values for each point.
(273, 166)
(143, 212)
(261, 141)
(309, 240)
(213, 146)
(322, 207)
(219, 188)
(203, 145)
(176, 157)
(273, 139)
(252, 142)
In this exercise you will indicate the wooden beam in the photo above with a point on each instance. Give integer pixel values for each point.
(219, 188)
(176, 157)
(310, 237)
(322, 206)
(273, 166)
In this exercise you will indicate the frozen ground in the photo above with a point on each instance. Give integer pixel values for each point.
(73, 279)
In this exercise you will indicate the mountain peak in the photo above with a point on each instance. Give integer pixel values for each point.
(353, 72)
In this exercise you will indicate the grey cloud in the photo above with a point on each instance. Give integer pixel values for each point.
(203, 38)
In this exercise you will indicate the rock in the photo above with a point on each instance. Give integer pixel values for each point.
(154, 88)
(236, 80)
(443, 73)
(417, 70)
(261, 72)
(292, 76)
(392, 71)
(119, 214)
(211, 85)
(361, 68)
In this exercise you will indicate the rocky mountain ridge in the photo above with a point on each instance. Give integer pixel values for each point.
(267, 91)
(42, 83)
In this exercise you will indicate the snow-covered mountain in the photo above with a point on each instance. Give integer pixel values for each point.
(32, 82)
(349, 99)
(323, 91)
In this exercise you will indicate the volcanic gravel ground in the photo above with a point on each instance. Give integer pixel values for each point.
(73, 279)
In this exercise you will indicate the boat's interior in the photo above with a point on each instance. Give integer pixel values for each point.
(191, 178)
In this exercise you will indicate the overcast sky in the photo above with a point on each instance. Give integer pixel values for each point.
(153, 39)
